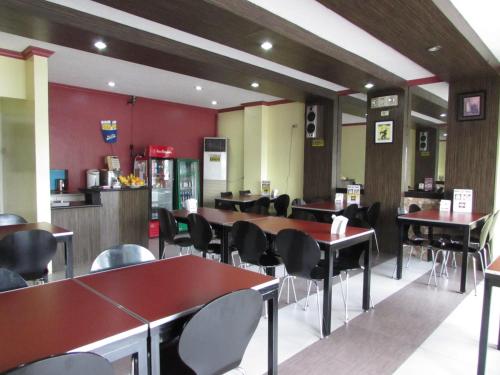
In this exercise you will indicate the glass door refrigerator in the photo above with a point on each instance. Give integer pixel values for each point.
(187, 177)
(161, 184)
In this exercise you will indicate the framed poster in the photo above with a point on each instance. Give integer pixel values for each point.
(471, 106)
(384, 131)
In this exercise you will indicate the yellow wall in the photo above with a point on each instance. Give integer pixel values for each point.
(12, 78)
(261, 140)
(441, 160)
(352, 159)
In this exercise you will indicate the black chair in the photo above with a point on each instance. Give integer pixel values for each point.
(121, 256)
(260, 206)
(281, 205)
(28, 253)
(10, 280)
(252, 246)
(301, 256)
(372, 215)
(223, 205)
(418, 239)
(226, 194)
(302, 215)
(351, 211)
(168, 232)
(66, 364)
(202, 236)
(245, 192)
(214, 340)
(11, 219)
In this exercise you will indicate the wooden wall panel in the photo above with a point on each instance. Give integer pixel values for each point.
(472, 145)
(318, 160)
(134, 217)
(384, 168)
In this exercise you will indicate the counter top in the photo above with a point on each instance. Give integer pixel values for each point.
(103, 190)
(424, 194)
(76, 205)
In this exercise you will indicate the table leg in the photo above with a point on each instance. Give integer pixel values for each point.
(431, 237)
(327, 292)
(399, 261)
(161, 246)
(367, 275)
(272, 334)
(154, 349)
(68, 255)
(225, 245)
(465, 253)
(485, 321)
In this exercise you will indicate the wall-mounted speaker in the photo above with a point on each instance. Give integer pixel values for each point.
(312, 121)
(423, 141)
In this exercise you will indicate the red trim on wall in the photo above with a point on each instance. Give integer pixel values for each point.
(13, 54)
(423, 81)
(346, 92)
(35, 51)
(253, 104)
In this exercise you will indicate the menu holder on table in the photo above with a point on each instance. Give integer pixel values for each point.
(339, 198)
(462, 200)
(445, 205)
(353, 194)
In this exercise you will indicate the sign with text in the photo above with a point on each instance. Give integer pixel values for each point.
(353, 194)
(462, 200)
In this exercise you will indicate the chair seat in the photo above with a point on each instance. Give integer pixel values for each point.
(183, 241)
(269, 259)
(214, 247)
(417, 240)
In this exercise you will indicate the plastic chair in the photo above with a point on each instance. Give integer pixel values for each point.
(372, 215)
(121, 256)
(168, 232)
(301, 256)
(245, 192)
(418, 239)
(28, 253)
(214, 340)
(302, 215)
(226, 194)
(202, 235)
(281, 205)
(66, 364)
(11, 219)
(260, 206)
(351, 211)
(10, 280)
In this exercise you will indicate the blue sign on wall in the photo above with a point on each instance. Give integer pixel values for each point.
(109, 131)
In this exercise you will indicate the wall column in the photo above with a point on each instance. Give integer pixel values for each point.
(255, 147)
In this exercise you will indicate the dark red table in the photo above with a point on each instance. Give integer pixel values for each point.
(165, 293)
(243, 201)
(61, 317)
(435, 218)
(221, 219)
(323, 210)
(62, 235)
(492, 278)
(332, 242)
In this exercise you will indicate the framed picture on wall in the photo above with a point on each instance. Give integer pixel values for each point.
(384, 131)
(471, 106)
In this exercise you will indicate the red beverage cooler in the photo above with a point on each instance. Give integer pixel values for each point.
(157, 169)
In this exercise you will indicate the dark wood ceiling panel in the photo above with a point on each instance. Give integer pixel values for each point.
(63, 26)
(244, 26)
(411, 27)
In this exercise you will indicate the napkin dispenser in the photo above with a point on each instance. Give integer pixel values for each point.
(191, 205)
(339, 224)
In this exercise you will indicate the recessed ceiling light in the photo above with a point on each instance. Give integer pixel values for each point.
(255, 84)
(100, 45)
(267, 45)
(369, 85)
(111, 84)
(198, 88)
(445, 134)
(442, 115)
(214, 102)
(434, 48)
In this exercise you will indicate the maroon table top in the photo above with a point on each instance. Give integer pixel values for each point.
(244, 198)
(217, 216)
(55, 230)
(163, 290)
(443, 217)
(55, 318)
(327, 206)
(319, 231)
(494, 268)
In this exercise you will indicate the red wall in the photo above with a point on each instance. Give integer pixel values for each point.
(76, 143)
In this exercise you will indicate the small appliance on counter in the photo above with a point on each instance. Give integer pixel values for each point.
(109, 178)
(59, 180)
(92, 178)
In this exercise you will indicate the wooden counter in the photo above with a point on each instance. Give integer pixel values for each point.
(122, 217)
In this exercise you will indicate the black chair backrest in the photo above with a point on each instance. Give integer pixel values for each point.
(372, 214)
(223, 205)
(67, 364)
(10, 280)
(168, 225)
(249, 240)
(281, 205)
(28, 252)
(303, 215)
(200, 231)
(11, 219)
(245, 192)
(121, 256)
(351, 211)
(349, 258)
(416, 228)
(260, 206)
(216, 337)
(226, 194)
(299, 251)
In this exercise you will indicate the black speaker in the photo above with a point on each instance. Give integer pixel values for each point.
(423, 139)
(312, 121)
